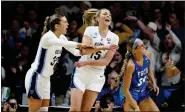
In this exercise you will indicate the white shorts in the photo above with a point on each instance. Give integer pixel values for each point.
(88, 78)
(37, 86)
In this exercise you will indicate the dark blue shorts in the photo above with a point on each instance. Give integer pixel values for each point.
(139, 96)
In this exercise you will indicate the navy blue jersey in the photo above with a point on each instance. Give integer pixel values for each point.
(140, 74)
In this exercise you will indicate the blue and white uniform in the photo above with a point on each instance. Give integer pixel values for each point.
(138, 87)
(37, 81)
(92, 77)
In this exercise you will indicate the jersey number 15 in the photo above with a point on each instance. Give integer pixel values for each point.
(96, 55)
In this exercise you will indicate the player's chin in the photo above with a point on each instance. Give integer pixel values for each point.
(107, 24)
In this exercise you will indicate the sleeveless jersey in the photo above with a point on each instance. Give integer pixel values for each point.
(140, 74)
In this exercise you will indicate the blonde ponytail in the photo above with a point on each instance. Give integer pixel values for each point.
(45, 25)
(125, 61)
(89, 17)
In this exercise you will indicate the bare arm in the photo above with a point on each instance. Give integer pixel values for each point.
(152, 79)
(126, 34)
(174, 37)
(102, 62)
(127, 82)
(151, 73)
(86, 40)
(142, 26)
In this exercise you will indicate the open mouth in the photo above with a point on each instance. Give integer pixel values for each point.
(107, 20)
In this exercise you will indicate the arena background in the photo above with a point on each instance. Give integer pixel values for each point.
(15, 14)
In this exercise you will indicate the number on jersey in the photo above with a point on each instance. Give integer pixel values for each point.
(96, 55)
(141, 81)
(55, 59)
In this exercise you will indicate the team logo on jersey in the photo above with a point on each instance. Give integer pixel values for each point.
(95, 35)
(98, 44)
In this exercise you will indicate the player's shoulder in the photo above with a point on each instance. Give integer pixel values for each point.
(113, 35)
(130, 64)
(92, 28)
(63, 37)
(47, 35)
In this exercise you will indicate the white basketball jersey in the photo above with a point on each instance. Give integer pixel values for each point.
(97, 40)
(47, 56)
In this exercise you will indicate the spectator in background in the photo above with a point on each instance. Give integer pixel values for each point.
(6, 57)
(18, 72)
(67, 98)
(11, 105)
(8, 39)
(175, 18)
(69, 9)
(3, 77)
(84, 5)
(125, 34)
(167, 65)
(158, 18)
(72, 32)
(19, 13)
(15, 29)
(145, 12)
(171, 53)
(105, 104)
(25, 32)
(115, 63)
(153, 41)
(32, 20)
(115, 89)
(117, 12)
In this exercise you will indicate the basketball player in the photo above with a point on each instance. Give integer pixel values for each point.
(137, 69)
(37, 81)
(88, 78)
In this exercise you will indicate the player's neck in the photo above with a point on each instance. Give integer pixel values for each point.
(103, 29)
(138, 58)
(57, 33)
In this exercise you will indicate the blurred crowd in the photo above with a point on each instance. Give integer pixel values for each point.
(161, 28)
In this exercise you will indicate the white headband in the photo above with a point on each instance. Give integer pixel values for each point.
(136, 42)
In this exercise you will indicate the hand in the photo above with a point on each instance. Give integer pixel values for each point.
(81, 45)
(79, 64)
(118, 24)
(114, 46)
(6, 107)
(131, 18)
(97, 104)
(12, 109)
(137, 109)
(13, 69)
(156, 89)
(169, 63)
(113, 64)
(133, 105)
(168, 27)
(26, 25)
